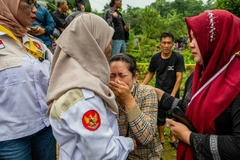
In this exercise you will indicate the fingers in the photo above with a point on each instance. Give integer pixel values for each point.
(121, 83)
(37, 29)
(114, 84)
(119, 88)
(118, 84)
(115, 87)
(170, 122)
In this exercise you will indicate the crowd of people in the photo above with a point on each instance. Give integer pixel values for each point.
(48, 27)
(86, 97)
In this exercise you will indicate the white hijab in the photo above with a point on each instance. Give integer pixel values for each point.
(79, 60)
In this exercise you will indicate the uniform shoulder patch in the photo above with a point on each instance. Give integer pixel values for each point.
(1, 45)
(91, 120)
(36, 44)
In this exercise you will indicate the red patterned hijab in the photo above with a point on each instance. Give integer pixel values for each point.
(216, 84)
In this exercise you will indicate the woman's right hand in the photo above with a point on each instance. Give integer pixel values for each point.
(179, 130)
(123, 94)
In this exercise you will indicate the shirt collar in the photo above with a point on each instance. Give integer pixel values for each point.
(2, 33)
(25, 39)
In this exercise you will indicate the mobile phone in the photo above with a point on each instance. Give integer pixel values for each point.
(178, 115)
(34, 28)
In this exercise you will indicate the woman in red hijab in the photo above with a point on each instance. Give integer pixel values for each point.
(214, 109)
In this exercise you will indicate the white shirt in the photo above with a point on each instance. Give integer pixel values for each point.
(23, 88)
(77, 140)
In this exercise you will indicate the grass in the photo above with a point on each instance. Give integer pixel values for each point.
(169, 152)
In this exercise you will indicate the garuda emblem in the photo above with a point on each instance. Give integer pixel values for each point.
(91, 120)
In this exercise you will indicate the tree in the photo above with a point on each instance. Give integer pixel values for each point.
(232, 6)
(132, 18)
(184, 7)
(150, 22)
(175, 24)
(106, 6)
(87, 6)
(211, 4)
(162, 6)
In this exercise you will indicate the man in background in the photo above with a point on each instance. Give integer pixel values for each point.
(59, 15)
(114, 18)
(43, 26)
(169, 67)
(80, 7)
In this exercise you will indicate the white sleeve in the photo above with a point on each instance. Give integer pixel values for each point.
(95, 141)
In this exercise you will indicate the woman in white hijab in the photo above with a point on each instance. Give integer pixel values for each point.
(83, 111)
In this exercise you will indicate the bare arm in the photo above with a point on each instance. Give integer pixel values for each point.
(159, 93)
(148, 77)
(177, 84)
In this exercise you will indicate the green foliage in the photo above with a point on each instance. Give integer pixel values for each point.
(188, 7)
(164, 15)
(150, 22)
(231, 6)
(185, 8)
(188, 59)
(131, 44)
(211, 4)
(51, 5)
(132, 18)
(88, 7)
(162, 6)
(141, 47)
(175, 24)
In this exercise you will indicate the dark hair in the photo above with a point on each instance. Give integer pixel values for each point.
(78, 2)
(112, 3)
(129, 59)
(60, 2)
(166, 34)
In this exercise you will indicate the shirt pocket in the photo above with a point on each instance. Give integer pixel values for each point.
(9, 62)
(12, 74)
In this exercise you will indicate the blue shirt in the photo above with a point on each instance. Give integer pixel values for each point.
(44, 20)
(23, 88)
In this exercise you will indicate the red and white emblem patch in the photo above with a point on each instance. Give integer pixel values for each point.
(91, 120)
(37, 45)
(1, 44)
